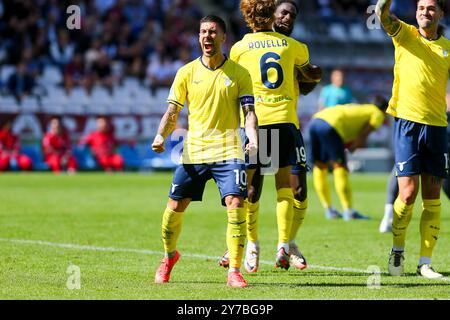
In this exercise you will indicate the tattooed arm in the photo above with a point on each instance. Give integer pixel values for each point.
(389, 21)
(251, 129)
(166, 127)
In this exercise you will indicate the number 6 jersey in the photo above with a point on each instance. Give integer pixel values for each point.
(272, 59)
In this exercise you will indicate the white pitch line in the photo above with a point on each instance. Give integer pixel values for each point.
(151, 252)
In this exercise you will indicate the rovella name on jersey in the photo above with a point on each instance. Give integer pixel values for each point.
(269, 43)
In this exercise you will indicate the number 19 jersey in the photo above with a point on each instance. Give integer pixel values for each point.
(271, 59)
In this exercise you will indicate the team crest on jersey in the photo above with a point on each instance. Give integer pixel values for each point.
(445, 53)
(228, 81)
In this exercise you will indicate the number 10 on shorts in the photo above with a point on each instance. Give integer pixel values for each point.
(241, 177)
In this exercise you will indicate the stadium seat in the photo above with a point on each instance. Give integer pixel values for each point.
(378, 36)
(34, 151)
(29, 104)
(55, 101)
(357, 32)
(131, 85)
(121, 101)
(100, 101)
(77, 101)
(51, 76)
(337, 32)
(6, 71)
(300, 32)
(8, 104)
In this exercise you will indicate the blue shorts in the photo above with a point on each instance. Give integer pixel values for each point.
(326, 143)
(280, 145)
(189, 180)
(420, 148)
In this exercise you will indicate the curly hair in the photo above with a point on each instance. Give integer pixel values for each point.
(258, 14)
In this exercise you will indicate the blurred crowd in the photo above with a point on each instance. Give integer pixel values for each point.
(147, 39)
(323, 12)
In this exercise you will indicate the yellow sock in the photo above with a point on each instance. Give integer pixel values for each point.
(236, 232)
(299, 215)
(321, 186)
(252, 221)
(430, 224)
(400, 222)
(171, 229)
(342, 185)
(285, 213)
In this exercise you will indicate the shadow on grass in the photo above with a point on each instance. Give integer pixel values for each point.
(321, 285)
(303, 274)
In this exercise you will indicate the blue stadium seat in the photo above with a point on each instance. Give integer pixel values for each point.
(34, 151)
(84, 158)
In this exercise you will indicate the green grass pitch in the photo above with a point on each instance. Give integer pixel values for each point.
(108, 226)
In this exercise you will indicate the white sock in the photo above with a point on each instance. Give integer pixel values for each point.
(169, 255)
(252, 245)
(424, 260)
(401, 249)
(388, 211)
(285, 246)
(233, 270)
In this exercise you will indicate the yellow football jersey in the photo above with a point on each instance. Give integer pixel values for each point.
(272, 58)
(349, 120)
(421, 73)
(213, 99)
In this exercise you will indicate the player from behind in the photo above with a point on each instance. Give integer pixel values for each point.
(213, 87)
(330, 131)
(273, 61)
(421, 72)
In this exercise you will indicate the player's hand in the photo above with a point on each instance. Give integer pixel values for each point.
(251, 149)
(312, 73)
(158, 144)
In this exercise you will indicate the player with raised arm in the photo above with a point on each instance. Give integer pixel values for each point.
(421, 72)
(212, 87)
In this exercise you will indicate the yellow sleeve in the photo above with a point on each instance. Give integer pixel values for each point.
(402, 33)
(178, 91)
(234, 53)
(302, 57)
(376, 119)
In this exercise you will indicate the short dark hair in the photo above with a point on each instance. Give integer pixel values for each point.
(441, 27)
(294, 3)
(441, 4)
(215, 19)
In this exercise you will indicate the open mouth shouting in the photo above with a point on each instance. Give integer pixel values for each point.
(208, 47)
